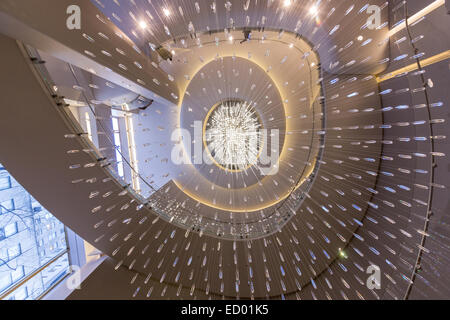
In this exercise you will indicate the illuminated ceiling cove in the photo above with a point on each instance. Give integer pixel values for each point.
(270, 149)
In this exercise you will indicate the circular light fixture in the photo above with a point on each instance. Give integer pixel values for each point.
(232, 135)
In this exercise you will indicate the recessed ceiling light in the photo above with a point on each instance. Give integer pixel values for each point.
(360, 38)
(287, 3)
(166, 12)
(143, 25)
(313, 10)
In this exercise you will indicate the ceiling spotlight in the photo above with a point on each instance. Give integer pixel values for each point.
(143, 25)
(343, 254)
(360, 38)
(291, 45)
(230, 38)
(166, 12)
(314, 10)
(287, 3)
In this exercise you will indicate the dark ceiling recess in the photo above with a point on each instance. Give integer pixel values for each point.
(164, 53)
(247, 35)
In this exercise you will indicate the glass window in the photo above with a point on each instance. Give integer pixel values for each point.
(5, 183)
(21, 293)
(117, 143)
(88, 125)
(14, 251)
(5, 280)
(28, 230)
(18, 274)
(11, 229)
(115, 123)
(7, 206)
(3, 255)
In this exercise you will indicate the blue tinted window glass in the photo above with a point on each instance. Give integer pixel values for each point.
(30, 237)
